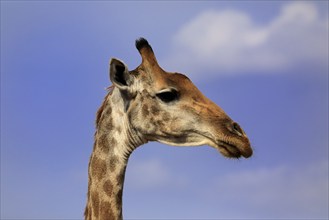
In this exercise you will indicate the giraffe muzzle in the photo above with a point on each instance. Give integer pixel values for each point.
(234, 143)
(235, 150)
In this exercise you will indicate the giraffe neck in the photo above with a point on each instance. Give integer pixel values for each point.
(114, 142)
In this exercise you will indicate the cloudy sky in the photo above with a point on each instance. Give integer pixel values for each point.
(264, 62)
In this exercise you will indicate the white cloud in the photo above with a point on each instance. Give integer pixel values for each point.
(231, 41)
(281, 192)
(151, 173)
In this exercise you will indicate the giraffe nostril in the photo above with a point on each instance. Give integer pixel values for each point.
(237, 129)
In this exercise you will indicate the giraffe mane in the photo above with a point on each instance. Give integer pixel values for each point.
(101, 109)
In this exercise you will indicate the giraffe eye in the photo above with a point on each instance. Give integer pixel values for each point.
(168, 96)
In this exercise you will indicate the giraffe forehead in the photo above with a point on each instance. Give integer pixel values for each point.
(154, 81)
(162, 80)
(184, 85)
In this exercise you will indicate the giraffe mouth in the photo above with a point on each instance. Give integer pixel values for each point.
(229, 150)
(237, 150)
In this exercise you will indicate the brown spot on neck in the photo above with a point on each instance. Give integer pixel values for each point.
(119, 199)
(98, 168)
(108, 188)
(106, 211)
(95, 203)
(113, 163)
(103, 143)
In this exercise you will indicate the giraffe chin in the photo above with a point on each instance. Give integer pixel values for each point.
(231, 151)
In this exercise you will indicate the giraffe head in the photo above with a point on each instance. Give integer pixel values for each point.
(168, 107)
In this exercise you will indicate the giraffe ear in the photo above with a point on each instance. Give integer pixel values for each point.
(119, 74)
(120, 77)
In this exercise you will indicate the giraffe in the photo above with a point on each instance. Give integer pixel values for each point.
(150, 104)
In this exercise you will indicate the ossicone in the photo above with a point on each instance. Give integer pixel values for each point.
(148, 58)
(142, 43)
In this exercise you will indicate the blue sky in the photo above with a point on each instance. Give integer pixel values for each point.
(264, 62)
